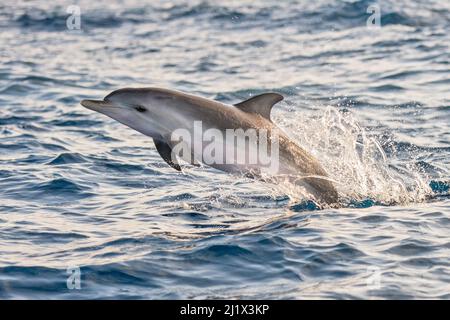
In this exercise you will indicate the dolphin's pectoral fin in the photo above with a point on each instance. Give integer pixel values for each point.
(165, 151)
(261, 104)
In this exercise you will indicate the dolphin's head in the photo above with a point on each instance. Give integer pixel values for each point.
(137, 108)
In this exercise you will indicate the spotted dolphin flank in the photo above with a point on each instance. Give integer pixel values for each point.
(160, 113)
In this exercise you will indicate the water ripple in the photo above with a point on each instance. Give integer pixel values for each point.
(80, 190)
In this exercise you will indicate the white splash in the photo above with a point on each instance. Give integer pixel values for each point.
(353, 158)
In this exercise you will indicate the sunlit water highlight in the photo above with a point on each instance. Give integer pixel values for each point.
(78, 189)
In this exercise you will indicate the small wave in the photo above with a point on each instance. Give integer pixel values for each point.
(14, 120)
(401, 74)
(410, 248)
(67, 158)
(386, 88)
(16, 90)
(214, 12)
(48, 237)
(79, 123)
(56, 21)
(58, 189)
(61, 184)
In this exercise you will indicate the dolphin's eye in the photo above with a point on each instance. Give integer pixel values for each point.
(140, 108)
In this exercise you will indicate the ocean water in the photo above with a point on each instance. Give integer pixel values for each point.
(85, 198)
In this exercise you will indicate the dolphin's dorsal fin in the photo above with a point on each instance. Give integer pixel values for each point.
(261, 104)
(165, 151)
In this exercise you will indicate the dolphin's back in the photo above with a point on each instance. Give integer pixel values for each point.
(305, 169)
(300, 165)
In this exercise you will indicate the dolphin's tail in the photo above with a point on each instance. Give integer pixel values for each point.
(321, 187)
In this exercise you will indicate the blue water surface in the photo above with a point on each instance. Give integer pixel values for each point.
(80, 192)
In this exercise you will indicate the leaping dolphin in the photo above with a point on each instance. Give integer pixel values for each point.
(160, 113)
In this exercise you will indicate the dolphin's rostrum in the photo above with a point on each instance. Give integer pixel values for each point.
(164, 114)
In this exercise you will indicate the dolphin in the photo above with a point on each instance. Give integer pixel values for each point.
(159, 113)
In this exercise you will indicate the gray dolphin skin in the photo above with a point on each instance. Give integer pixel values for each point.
(158, 113)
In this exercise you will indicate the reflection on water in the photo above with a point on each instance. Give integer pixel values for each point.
(80, 190)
